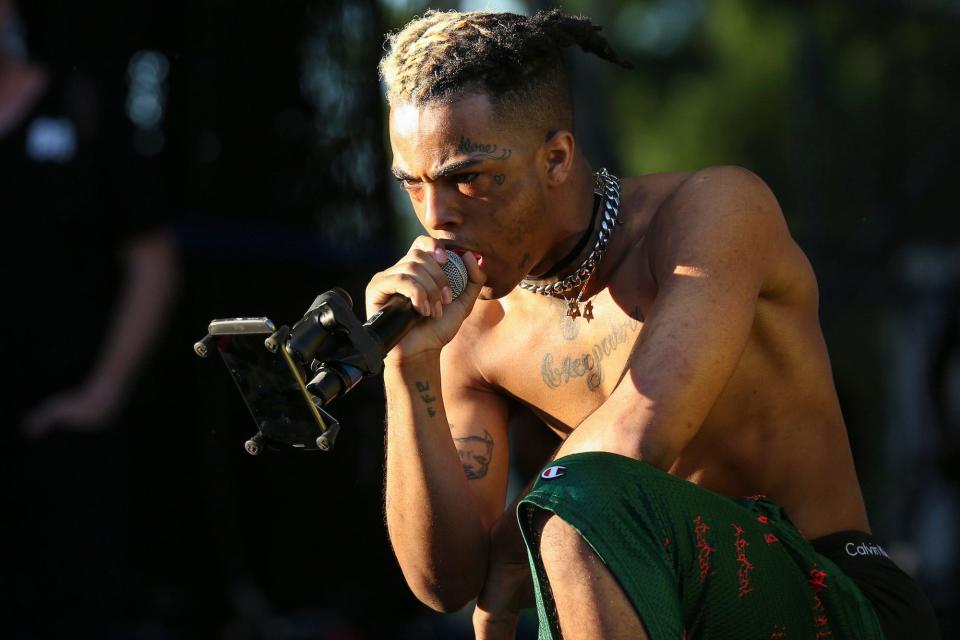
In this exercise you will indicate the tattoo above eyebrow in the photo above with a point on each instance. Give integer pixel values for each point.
(479, 152)
(484, 150)
(443, 172)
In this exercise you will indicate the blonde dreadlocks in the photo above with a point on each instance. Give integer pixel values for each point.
(516, 60)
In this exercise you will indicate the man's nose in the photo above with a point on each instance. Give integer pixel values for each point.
(439, 211)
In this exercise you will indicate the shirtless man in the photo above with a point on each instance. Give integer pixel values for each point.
(691, 359)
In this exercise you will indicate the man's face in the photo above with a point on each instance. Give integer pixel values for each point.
(472, 183)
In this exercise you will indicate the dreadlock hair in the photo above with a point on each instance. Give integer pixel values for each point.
(516, 60)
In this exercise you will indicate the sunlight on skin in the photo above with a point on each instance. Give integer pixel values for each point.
(686, 270)
(406, 118)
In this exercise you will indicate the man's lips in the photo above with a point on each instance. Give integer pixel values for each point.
(460, 251)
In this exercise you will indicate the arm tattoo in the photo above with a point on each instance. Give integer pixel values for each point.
(476, 453)
(426, 397)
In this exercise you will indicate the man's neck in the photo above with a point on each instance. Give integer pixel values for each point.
(573, 213)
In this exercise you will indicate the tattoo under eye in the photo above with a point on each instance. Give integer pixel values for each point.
(499, 178)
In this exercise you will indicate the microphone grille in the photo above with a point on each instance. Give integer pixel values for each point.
(456, 273)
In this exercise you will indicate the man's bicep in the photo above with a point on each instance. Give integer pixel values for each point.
(711, 256)
(478, 425)
(687, 352)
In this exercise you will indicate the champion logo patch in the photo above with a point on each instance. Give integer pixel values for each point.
(553, 472)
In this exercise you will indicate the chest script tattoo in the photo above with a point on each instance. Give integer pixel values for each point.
(486, 151)
(560, 370)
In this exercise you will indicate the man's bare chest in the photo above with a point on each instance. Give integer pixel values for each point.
(565, 367)
(562, 367)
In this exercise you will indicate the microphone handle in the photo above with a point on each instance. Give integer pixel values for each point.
(392, 321)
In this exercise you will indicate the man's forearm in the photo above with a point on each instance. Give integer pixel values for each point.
(432, 516)
(150, 283)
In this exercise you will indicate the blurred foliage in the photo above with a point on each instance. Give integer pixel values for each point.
(847, 109)
(714, 100)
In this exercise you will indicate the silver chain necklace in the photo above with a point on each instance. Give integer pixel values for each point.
(607, 186)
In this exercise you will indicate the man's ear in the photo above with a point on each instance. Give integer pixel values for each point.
(558, 151)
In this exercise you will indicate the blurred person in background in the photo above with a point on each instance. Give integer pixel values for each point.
(91, 272)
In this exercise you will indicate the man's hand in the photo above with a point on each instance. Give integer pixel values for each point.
(86, 409)
(504, 596)
(508, 588)
(419, 277)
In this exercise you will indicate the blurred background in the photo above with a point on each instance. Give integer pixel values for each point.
(166, 163)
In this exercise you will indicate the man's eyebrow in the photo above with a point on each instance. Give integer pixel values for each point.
(443, 172)
(453, 167)
(399, 174)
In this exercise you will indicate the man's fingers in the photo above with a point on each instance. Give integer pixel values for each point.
(417, 276)
(476, 280)
(432, 246)
(474, 272)
(410, 285)
(429, 262)
(41, 421)
(35, 427)
(489, 627)
(423, 277)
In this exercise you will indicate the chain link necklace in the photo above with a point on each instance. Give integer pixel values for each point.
(607, 186)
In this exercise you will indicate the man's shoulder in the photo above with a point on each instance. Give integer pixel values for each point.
(715, 200)
(709, 191)
(730, 183)
(721, 213)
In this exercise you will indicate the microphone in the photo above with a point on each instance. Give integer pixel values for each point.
(397, 316)
(355, 350)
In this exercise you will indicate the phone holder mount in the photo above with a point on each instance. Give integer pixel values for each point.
(332, 344)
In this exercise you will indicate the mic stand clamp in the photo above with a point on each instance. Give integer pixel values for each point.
(340, 349)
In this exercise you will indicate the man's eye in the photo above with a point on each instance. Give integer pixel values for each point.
(407, 183)
(465, 178)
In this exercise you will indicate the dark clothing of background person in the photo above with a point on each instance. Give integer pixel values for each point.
(74, 198)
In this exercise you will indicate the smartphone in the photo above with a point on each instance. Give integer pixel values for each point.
(272, 385)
